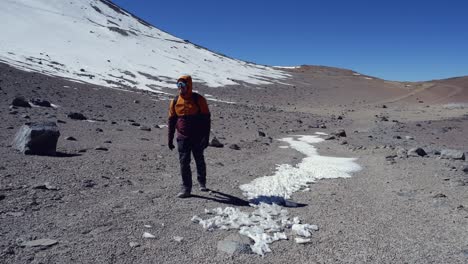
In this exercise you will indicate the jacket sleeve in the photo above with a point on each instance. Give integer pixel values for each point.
(206, 115)
(171, 122)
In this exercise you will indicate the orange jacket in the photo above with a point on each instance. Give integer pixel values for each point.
(190, 118)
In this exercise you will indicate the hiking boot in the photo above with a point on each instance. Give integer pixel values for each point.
(203, 188)
(183, 195)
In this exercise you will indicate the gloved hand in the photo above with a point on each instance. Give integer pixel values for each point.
(171, 145)
(205, 142)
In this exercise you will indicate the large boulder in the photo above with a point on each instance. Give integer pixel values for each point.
(37, 138)
(20, 102)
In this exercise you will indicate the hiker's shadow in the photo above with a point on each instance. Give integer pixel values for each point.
(224, 198)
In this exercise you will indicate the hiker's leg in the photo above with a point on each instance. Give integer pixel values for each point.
(184, 149)
(197, 151)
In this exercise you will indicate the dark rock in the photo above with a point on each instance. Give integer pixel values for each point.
(99, 130)
(2, 196)
(465, 168)
(135, 124)
(384, 106)
(20, 102)
(70, 138)
(82, 150)
(145, 128)
(101, 148)
(89, 183)
(440, 195)
(108, 106)
(45, 186)
(234, 147)
(76, 116)
(452, 154)
(215, 143)
(261, 134)
(108, 142)
(25, 116)
(322, 126)
(40, 102)
(416, 152)
(330, 138)
(37, 138)
(339, 117)
(136, 101)
(339, 133)
(396, 137)
(61, 122)
(344, 142)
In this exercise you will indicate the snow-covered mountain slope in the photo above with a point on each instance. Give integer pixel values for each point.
(97, 42)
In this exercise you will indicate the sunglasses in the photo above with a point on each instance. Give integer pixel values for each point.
(181, 85)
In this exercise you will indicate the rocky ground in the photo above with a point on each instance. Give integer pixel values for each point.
(118, 180)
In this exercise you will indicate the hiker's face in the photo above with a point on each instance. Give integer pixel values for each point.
(182, 88)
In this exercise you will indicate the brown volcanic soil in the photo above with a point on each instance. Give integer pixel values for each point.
(413, 210)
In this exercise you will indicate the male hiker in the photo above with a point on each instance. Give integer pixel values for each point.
(189, 114)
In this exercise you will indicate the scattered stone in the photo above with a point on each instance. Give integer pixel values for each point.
(452, 154)
(416, 152)
(401, 152)
(101, 148)
(440, 195)
(409, 138)
(45, 186)
(178, 239)
(330, 137)
(99, 130)
(20, 102)
(40, 102)
(2, 197)
(108, 106)
(108, 142)
(384, 106)
(384, 119)
(135, 124)
(234, 147)
(89, 183)
(235, 244)
(344, 142)
(25, 116)
(322, 126)
(136, 101)
(215, 143)
(261, 134)
(82, 150)
(61, 122)
(300, 240)
(15, 214)
(134, 244)
(37, 138)
(465, 168)
(396, 137)
(339, 133)
(339, 118)
(148, 235)
(76, 116)
(70, 138)
(45, 242)
(145, 128)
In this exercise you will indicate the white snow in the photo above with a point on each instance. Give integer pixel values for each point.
(321, 133)
(90, 41)
(269, 221)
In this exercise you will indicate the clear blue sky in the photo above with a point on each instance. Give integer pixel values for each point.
(395, 40)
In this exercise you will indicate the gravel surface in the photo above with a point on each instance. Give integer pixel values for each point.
(397, 209)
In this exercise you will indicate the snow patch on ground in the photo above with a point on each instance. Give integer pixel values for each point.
(269, 222)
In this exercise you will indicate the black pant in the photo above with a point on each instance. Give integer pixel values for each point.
(186, 147)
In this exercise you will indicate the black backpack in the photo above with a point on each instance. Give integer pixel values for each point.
(195, 99)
